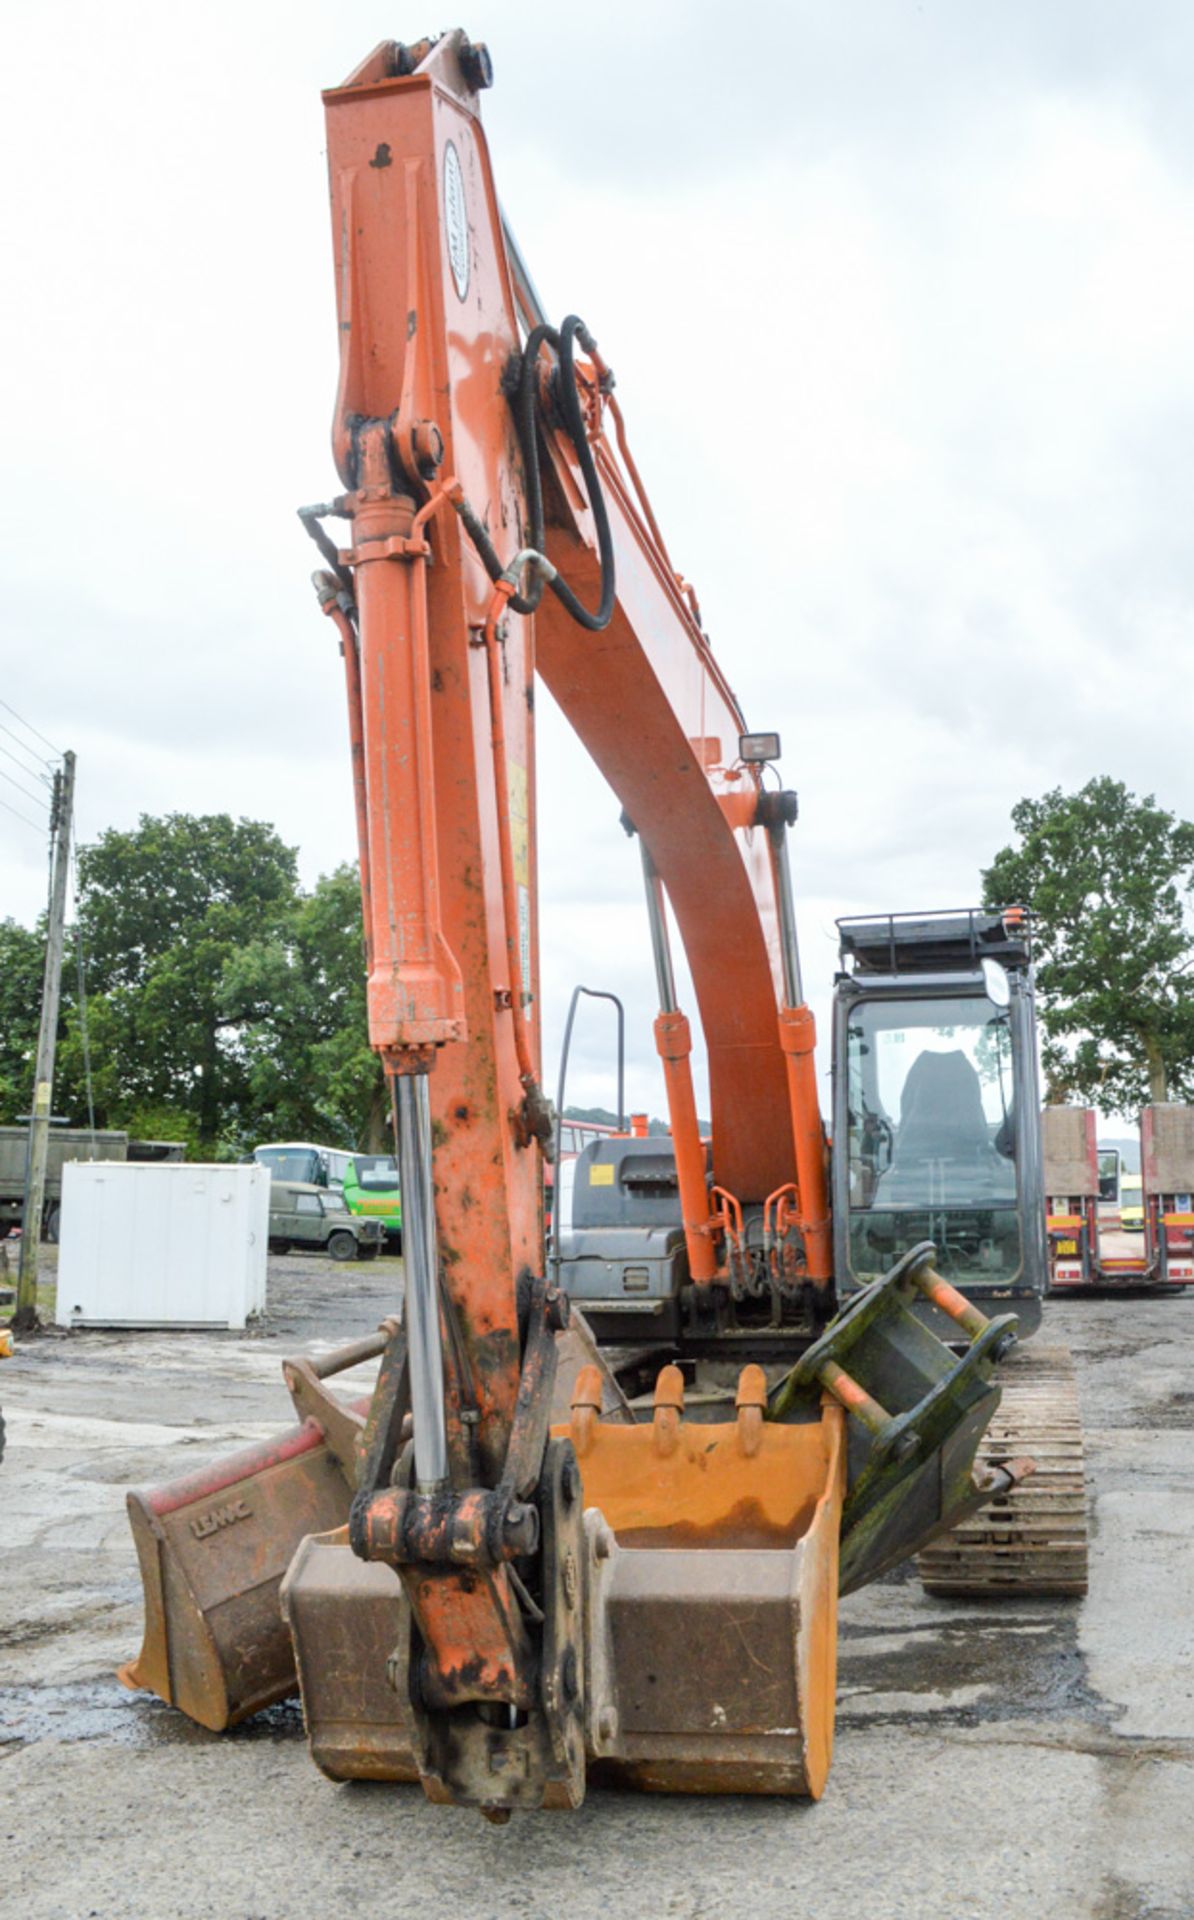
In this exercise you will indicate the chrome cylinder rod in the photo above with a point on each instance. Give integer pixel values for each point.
(412, 1113)
(789, 947)
(660, 945)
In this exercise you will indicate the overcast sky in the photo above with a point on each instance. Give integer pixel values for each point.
(901, 303)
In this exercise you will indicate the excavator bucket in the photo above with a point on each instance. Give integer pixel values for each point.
(213, 1547)
(709, 1597)
(712, 1582)
(347, 1618)
(693, 1610)
(350, 1621)
(702, 1588)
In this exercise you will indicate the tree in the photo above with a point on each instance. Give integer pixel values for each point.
(1108, 879)
(22, 964)
(22, 969)
(163, 910)
(298, 1003)
(224, 1006)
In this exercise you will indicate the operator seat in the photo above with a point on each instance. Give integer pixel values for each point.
(943, 1150)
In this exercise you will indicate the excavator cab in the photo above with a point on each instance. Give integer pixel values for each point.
(936, 1109)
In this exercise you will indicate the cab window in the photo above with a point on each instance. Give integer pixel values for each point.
(931, 1135)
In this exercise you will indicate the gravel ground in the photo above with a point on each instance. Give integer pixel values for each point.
(993, 1762)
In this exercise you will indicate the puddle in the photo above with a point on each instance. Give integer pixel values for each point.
(964, 1675)
(104, 1710)
(967, 1672)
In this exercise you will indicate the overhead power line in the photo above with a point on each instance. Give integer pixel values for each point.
(39, 760)
(38, 799)
(36, 769)
(39, 829)
(35, 731)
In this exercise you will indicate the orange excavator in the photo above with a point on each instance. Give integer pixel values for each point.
(553, 1543)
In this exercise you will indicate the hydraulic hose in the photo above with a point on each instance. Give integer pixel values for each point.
(525, 401)
(526, 414)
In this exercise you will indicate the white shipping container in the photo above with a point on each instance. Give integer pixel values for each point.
(153, 1245)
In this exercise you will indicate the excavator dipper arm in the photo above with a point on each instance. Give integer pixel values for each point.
(495, 534)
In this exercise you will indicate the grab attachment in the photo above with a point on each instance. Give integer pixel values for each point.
(918, 1410)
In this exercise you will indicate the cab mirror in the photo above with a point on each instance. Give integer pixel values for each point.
(995, 980)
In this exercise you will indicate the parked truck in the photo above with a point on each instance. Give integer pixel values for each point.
(1086, 1250)
(66, 1143)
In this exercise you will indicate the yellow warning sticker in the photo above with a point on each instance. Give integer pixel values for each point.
(601, 1175)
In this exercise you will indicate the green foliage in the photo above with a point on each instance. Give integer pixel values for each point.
(163, 910)
(298, 1002)
(164, 1123)
(22, 962)
(1108, 878)
(225, 1006)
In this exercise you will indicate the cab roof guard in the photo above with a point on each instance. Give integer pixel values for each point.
(935, 941)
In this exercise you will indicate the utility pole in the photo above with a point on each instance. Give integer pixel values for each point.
(61, 823)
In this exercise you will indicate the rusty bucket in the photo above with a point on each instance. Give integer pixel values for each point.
(709, 1587)
(712, 1561)
(347, 1619)
(213, 1547)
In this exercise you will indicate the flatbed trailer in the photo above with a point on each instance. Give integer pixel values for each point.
(1080, 1243)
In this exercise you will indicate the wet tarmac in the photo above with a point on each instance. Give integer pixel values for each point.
(992, 1759)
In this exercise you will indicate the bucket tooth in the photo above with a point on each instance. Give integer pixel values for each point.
(669, 1410)
(586, 1409)
(751, 1402)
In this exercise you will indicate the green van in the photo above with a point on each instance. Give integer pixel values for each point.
(371, 1189)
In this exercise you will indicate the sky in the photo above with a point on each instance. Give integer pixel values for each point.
(900, 298)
